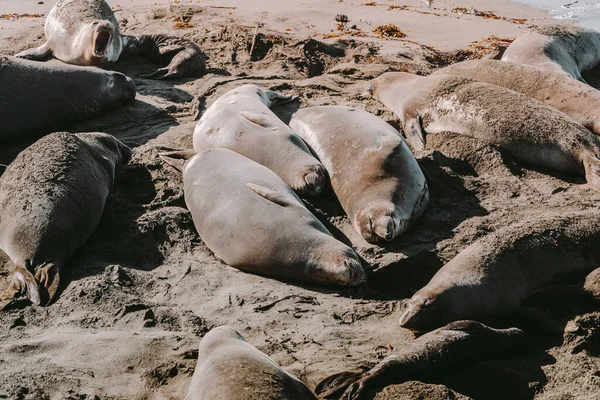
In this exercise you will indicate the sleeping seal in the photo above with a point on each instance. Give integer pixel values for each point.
(534, 133)
(253, 221)
(86, 32)
(455, 345)
(494, 274)
(231, 368)
(560, 48)
(51, 199)
(578, 100)
(38, 98)
(373, 172)
(241, 120)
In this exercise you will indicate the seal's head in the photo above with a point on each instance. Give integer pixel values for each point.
(100, 43)
(380, 221)
(424, 312)
(120, 88)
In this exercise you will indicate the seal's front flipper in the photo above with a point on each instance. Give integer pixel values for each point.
(177, 159)
(591, 164)
(48, 277)
(36, 54)
(269, 194)
(413, 130)
(22, 282)
(257, 118)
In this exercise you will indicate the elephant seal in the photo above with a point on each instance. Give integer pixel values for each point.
(534, 133)
(241, 120)
(373, 172)
(495, 274)
(51, 199)
(578, 100)
(58, 93)
(455, 345)
(253, 221)
(231, 368)
(86, 32)
(560, 48)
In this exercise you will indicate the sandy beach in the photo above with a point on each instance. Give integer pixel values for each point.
(143, 291)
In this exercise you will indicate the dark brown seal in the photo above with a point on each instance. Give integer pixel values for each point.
(231, 368)
(51, 199)
(455, 345)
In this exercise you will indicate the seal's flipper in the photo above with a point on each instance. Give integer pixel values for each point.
(177, 159)
(591, 164)
(161, 73)
(48, 277)
(413, 130)
(22, 282)
(333, 385)
(269, 194)
(278, 98)
(257, 118)
(36, 54)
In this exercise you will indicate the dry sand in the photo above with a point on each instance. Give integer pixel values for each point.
(142, 292)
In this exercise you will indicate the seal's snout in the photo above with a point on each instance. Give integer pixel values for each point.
(314, 180)
(387, 227)
(124, 86)
(355, 273)
(103, 34)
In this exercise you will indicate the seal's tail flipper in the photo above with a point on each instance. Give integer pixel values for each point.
(161, 73)
(278, 98)
(334, 385)
(22, 282)
(591, 164)
(36, 54)
(48, 276)
(177, 159)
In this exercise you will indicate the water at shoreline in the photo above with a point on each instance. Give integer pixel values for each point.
(585, 12)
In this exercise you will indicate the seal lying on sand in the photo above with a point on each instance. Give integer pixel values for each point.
(534, 133)
(37, 98)
(576, 99)
(241, 120)
(86, 32)
(253, 221)
(373, 172)
(560, 48)
(231, 368)
(437, 352)
(497, 272)
(51, 199)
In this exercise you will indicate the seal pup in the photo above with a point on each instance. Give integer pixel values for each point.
(372, 171)
(534, 133)
(495, 274)
(86, 32)
(578, 100)
(51, 199)
(241, 120)
(253, 221)
(38, 97)
(560, 48)
(435, 353)
(231, 368)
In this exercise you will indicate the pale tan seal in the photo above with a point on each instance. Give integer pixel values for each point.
(86, 32)
(534, 133)
(372, 170)
(253, 221)
(231, 368)
(566, 49)
(241, 120)
(456, 345)
(51, 199)
(495, 274)
(578, 100)
(37, 98)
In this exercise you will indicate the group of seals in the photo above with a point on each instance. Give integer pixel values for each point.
(231, 368)
(534, 133)
(373, 173)
(51, 199)
(86, 32)
(255, 222)
(58, 94)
